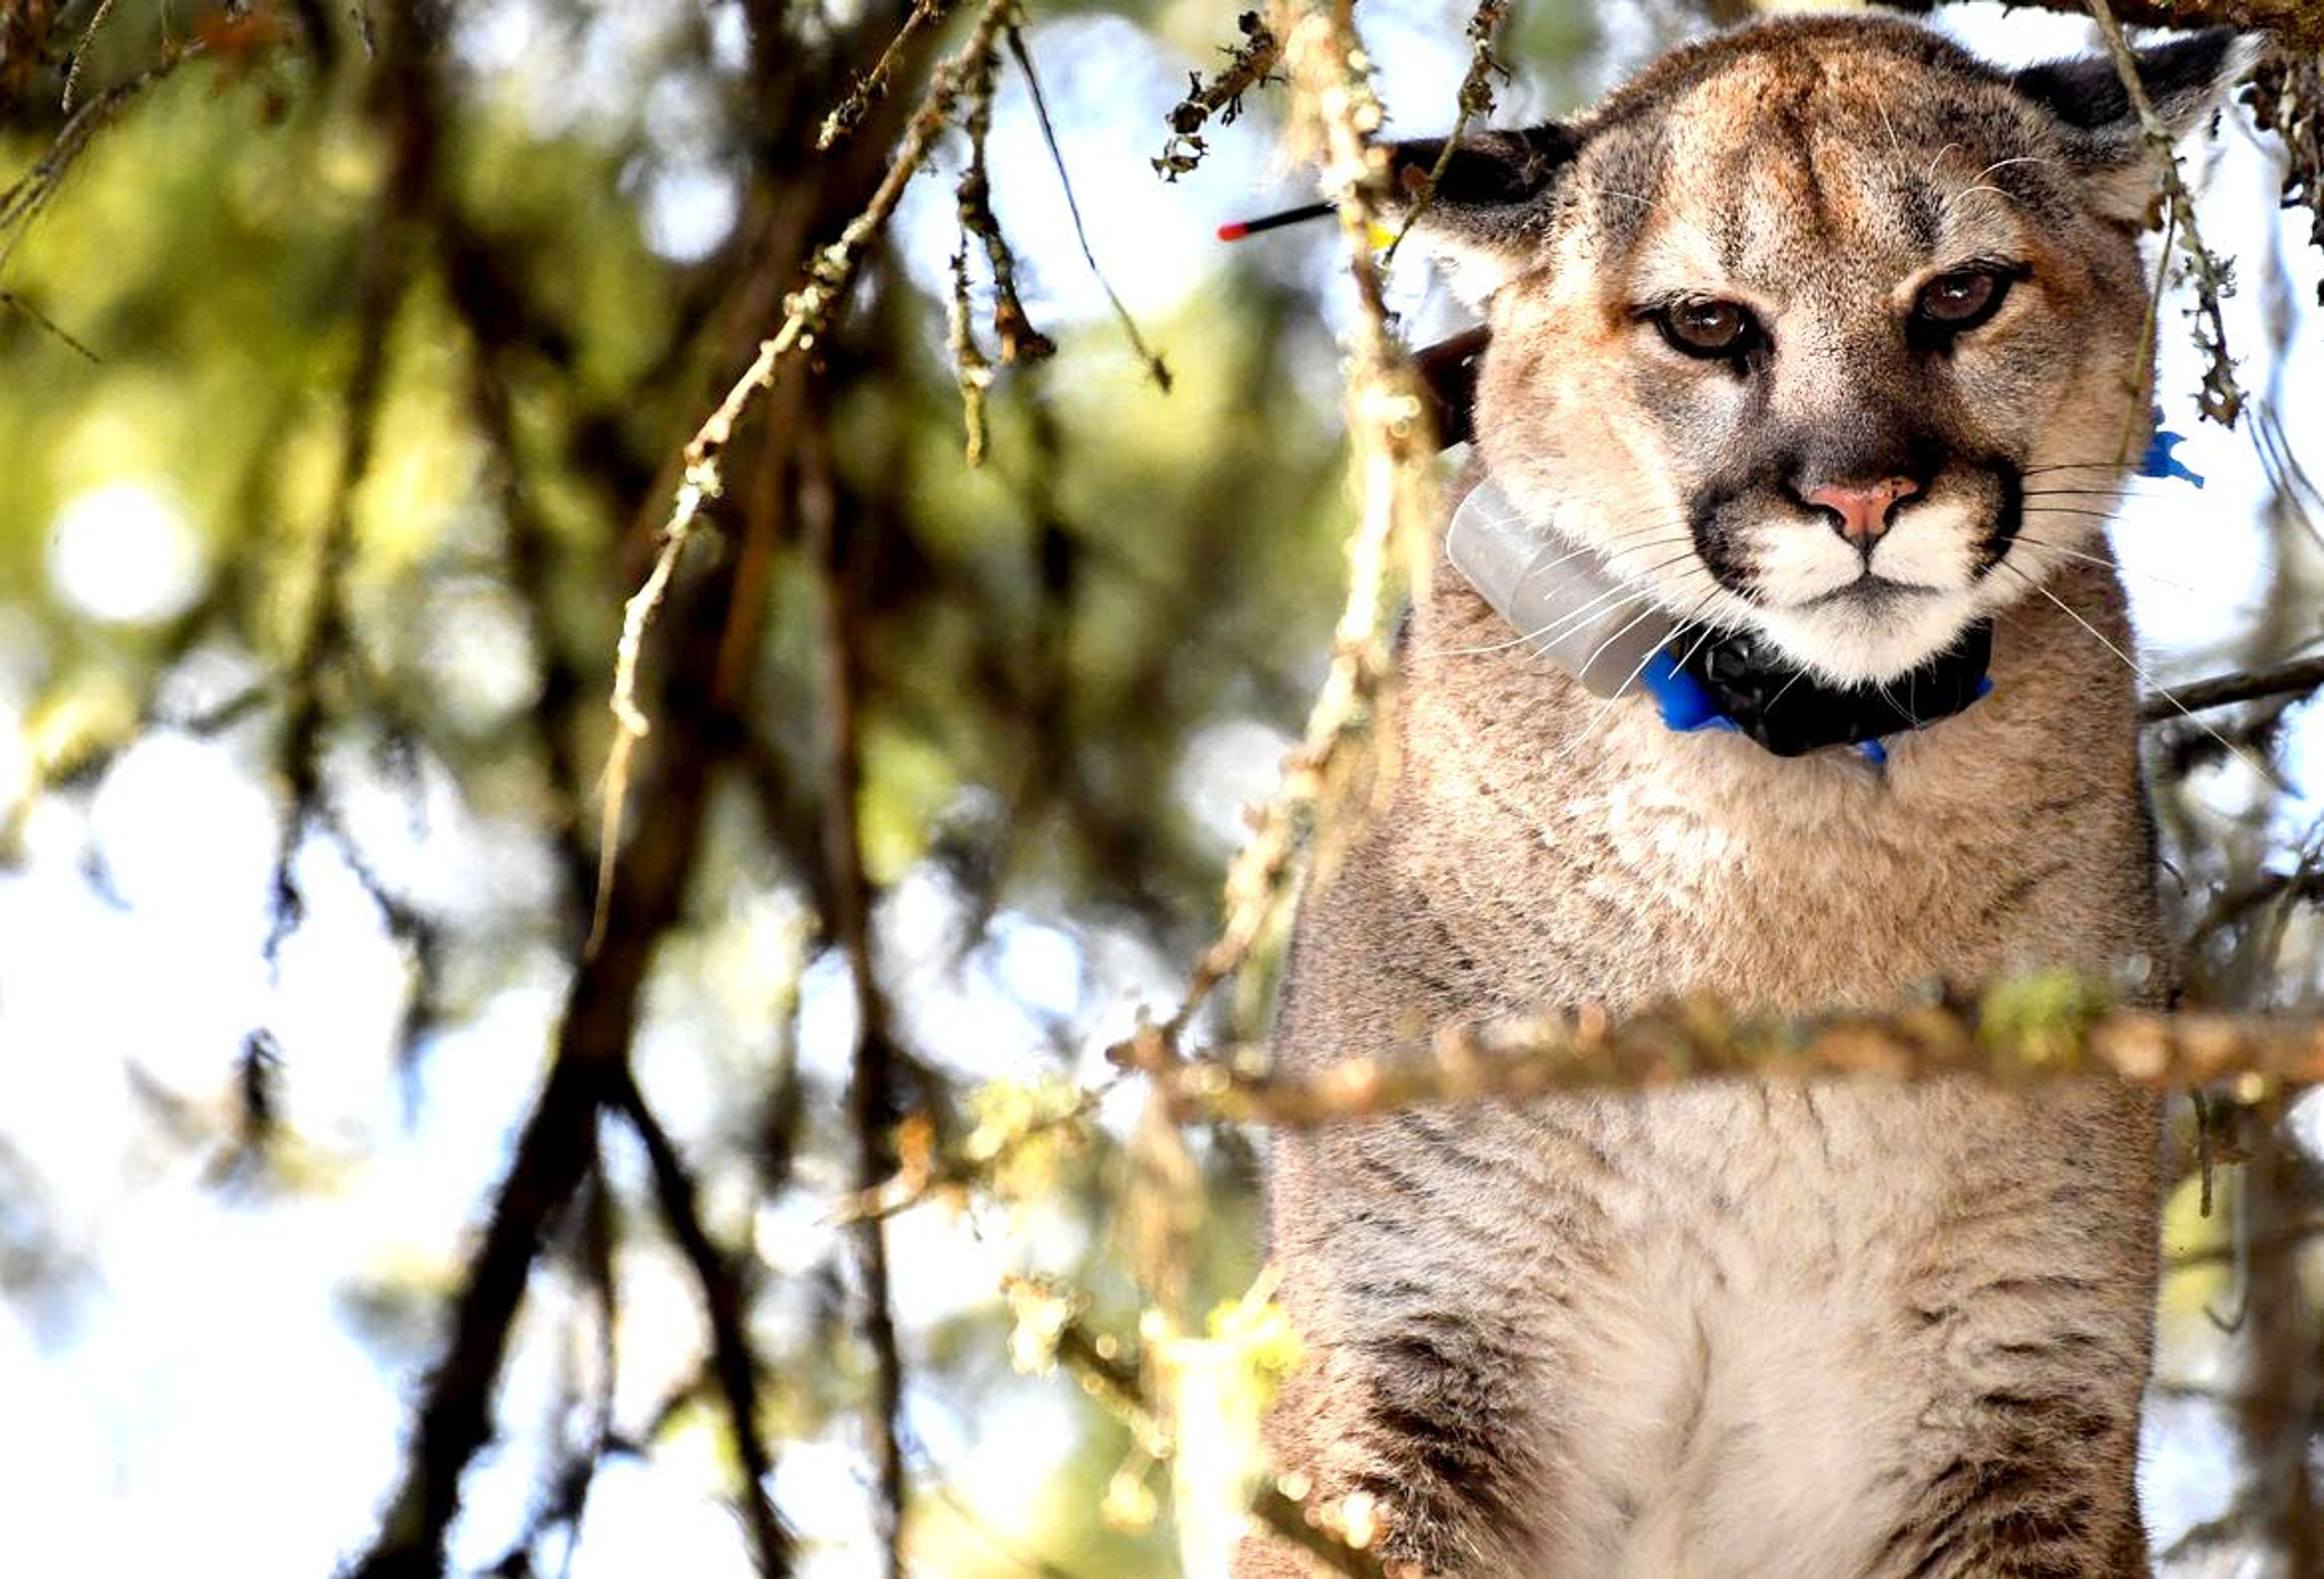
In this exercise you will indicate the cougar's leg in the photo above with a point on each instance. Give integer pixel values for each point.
(2038, 1343)
(1421, 1385)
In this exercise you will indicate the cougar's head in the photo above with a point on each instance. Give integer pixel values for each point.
(1824, 327)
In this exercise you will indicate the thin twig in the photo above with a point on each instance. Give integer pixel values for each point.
(563, 1501)
(971, 370)
(726, 1303)
(556, 1145)
(2220, 398)
(80, 53)
(1012, 326)
(852, 110)
(597, 1236)
(2138, 415)
(929, 1174)
(531, 553)
(15, 301)
(405, 921)
(2286, 93)
(1388, 426)
(873, 1078)
(2294, 1235)
(29, 193)
(325, 643)
(1156, 368)
(1474, 100)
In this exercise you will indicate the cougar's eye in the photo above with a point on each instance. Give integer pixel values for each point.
(1954, 303)
(1704, 327)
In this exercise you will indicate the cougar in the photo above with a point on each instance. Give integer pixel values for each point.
(1823, 344)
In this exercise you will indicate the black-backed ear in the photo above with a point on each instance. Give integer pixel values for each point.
(1488, 204)
(2185, 80)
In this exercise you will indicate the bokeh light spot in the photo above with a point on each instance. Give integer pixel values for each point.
(122, 553)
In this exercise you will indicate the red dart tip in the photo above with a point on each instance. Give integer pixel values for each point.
(1235, 230)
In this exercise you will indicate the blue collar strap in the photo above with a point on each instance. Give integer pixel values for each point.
(1735, 679)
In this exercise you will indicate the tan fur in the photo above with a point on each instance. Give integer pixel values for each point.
(1743, 1330)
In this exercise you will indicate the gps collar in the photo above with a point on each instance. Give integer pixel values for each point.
(1564, 604)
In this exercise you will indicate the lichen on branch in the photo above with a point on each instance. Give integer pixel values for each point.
(2036, 1029)
(1249, 64)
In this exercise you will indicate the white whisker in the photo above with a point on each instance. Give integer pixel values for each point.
(1623, 584)
(1577, 618)
(1532, 570)
(1606, 708)
(1543, 632)
(2005, 163)
(1599, 652)
(1798, 674)
(2144, 678)
(1970, 192)
(1700, 641)
(1624, 596)
(1889, 697)
(2037, 544)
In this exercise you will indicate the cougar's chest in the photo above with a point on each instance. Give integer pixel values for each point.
(1684, 863)
(1577, 850)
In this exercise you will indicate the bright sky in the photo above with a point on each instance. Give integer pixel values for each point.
(205, 1377)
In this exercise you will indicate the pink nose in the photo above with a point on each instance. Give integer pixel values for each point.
(1863, 507)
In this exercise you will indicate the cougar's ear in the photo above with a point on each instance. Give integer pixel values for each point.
(1489, 205)
(2185, 79)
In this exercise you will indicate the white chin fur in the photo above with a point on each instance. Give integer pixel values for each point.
(1848, 644)
(1851, 645)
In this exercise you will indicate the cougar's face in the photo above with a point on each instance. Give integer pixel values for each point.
(1825, 330)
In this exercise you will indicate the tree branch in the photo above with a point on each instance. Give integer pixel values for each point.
(1392, 447)
(643, 880)
(725, 1304)
(557, 1144)
(872, 1079)
(1249, 64)
(2026, 1031)
(1474, 101)
(2298, 678)
(404, 116)
(806, 313)
(2220, 398)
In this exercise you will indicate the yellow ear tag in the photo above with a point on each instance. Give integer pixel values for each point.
(1383, 238)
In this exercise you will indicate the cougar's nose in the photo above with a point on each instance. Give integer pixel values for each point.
(1860, 511)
